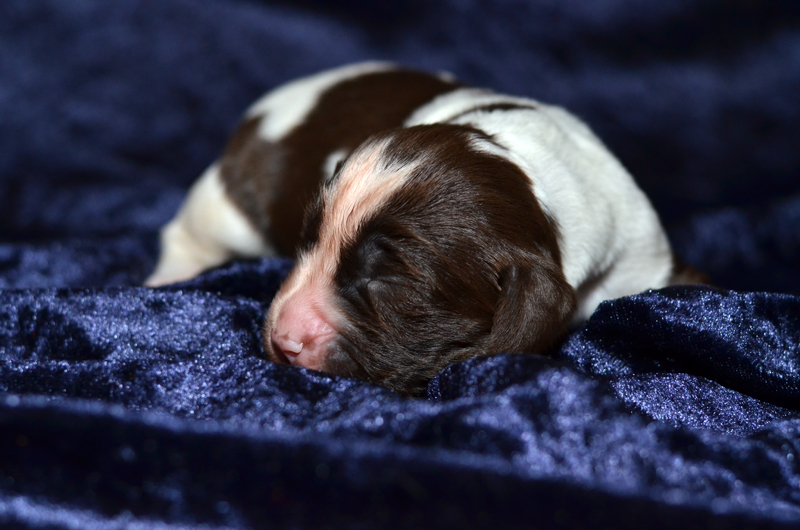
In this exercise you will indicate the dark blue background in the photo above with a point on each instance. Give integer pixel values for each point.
(127, 406)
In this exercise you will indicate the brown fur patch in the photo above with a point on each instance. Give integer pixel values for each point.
(683, 274)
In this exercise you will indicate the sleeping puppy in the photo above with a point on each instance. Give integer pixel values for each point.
(431, 223)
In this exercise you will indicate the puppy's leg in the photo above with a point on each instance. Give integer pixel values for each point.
(207, 231)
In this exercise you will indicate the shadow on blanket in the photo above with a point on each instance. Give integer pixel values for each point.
(129, 407)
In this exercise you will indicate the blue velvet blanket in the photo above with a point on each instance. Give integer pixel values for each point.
(125, 407)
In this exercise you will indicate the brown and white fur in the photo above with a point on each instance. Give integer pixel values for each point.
(431, 223)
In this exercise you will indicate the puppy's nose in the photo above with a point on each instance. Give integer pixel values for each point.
(301, 333)
(286, 347)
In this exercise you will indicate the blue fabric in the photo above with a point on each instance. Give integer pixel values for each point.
(128, 407)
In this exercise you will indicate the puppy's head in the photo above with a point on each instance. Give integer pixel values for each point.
(426, 247)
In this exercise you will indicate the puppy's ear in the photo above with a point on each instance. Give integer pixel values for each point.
(534, 309)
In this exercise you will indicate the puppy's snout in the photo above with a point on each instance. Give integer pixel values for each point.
(301, 333)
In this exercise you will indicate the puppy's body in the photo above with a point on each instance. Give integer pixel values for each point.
(451, 222)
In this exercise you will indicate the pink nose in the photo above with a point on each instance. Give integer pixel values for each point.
(286, 346)
(301, 332)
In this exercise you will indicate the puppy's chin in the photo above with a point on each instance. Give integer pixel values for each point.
(273, 354)
(339, 362)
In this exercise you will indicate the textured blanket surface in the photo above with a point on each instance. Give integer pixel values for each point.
(126, 407)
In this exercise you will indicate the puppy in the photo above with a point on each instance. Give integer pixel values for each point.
(430, 222)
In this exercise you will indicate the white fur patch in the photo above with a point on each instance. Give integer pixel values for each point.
(446, 106)
(287, 106)
(207, 231)
(329, 166)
